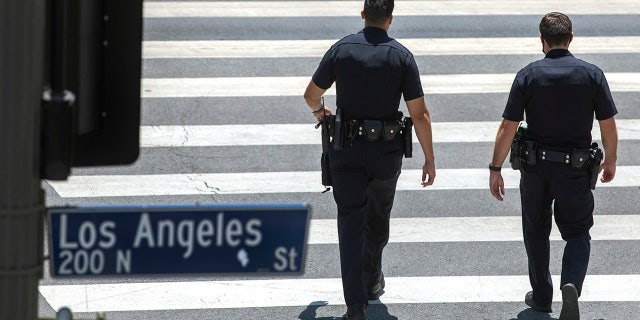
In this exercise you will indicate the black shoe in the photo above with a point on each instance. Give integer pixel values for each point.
(528, 299)
(570, 310)
(355, 312)
(377, 289)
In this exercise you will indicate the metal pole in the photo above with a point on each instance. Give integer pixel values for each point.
(21, 201)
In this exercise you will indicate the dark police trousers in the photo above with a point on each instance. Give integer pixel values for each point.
(364, 178)
(567, 188)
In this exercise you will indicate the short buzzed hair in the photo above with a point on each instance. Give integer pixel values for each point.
(555, 28)
(378, 11)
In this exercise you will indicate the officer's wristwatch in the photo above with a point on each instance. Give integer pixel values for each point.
(319, 110)
(492, 168)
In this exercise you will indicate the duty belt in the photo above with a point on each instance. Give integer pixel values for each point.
(576, 158)
(554, 156)
(374, 130)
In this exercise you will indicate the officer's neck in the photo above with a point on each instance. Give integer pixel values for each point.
(546, 47)
(384, 27)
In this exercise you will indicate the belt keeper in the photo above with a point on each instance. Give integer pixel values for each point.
(556, 156)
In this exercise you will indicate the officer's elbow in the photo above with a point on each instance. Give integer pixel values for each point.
(310, 99)
(313, 92)
(418, 109)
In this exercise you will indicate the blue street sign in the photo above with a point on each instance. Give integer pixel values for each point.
(159, 240)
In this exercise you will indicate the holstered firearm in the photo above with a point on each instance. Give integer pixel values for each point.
(515, 156)
(523, 149)
(408, 137)
(327, 125)
(596, 158)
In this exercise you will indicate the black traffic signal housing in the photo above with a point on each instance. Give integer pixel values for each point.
(91, 104)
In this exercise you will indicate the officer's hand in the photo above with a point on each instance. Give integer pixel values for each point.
(428, 169)
(496, 185)
(321, 115)
(608, 171)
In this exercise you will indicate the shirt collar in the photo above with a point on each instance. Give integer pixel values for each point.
(557, 53)
(374, 30)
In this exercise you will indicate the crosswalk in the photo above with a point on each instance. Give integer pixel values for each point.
(201, 49)
(189, 155)
(294, 292)
(408, 8)
(291, 86)
(276, 182)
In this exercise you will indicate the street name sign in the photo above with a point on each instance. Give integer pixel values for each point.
(178, 240)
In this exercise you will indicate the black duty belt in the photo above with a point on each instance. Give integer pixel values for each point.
(576, 158)
(554, 156)
(374, 130)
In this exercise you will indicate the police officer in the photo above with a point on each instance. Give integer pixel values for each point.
(371, 72)
(559, 95)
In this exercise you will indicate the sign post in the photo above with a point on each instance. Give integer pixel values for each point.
(21, 201)
(170, 240)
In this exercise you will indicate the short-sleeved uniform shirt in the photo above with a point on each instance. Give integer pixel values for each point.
(371, 72)
(560, 95)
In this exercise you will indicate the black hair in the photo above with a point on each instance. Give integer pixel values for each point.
(378, 11)
(555, 28)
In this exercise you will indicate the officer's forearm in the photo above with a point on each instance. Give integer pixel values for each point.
(313, 95)
(425, 137)
(504, 138)
(609, 134)
(422, 124)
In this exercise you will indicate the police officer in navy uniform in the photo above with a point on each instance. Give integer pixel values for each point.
(560, 96)
(371, 71)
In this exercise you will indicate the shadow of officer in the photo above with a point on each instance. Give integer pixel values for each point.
(374, 312)
(530, 314)
(310, 312)
(379, 312)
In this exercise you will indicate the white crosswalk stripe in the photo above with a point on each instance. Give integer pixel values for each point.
(280, 182)
(405, 8)
(297, 134)
(419, 47)
(292, 86)
(475, 226)
(299, 292)
(466, 229)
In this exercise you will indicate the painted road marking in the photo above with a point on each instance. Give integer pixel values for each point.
(306, 134)
(256, 9)
(282, 182)
(302, 292)
(295, 86)
(419, 47)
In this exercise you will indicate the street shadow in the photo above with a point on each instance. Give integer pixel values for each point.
(374, 312)
(530, 314)
(310, 313)
(379, 311)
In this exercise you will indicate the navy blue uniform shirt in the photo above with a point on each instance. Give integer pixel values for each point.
(371, 72)
(560, 95)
